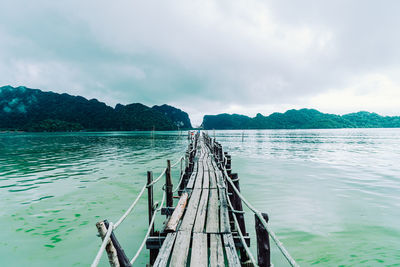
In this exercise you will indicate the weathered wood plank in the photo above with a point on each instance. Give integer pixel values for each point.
(216, 251)
(213, 181)
(165, 251)
(206, 162)
(224, 215)
(230, 250)
(191, 181)
(214, 165)
(199, 250)
(181, 249)
(191, 210)
(212, 225)
(177, 214)
(206, 179)
(199, 178)
(201, 213)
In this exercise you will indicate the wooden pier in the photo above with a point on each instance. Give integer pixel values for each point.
(200, 223)
(206, 227)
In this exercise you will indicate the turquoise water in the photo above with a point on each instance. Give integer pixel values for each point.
(333, 196)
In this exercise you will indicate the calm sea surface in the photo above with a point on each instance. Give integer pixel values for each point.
(333, 196)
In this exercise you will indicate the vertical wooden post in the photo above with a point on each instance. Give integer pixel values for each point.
(263, 247)
(221, 158)
(110, 249)
(228, 164)
(168, 185)
(122, 258)
(153, 252)
(237, 205)
(150, 200)
(230, 195)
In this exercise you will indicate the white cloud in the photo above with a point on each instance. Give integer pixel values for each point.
(375, 91)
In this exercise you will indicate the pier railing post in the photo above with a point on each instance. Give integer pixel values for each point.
(168, 185)
(228, 164)
(237, 205)
(220, 153)
(263, 246)
(111, 251)
(150, 199)
(122, 258)
(153, 252)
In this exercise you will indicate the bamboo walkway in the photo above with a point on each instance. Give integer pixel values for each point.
(204, 221)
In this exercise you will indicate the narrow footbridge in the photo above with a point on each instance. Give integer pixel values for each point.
(207, 226)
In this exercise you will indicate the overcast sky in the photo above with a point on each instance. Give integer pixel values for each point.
(208, 57)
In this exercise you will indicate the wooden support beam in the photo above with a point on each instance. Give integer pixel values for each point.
(228, 164)
(122, 258)
(110, 249)
(150, 200)
(167, 210)
(150, 203)
(263, 246)
(168, 185)
(237, 205)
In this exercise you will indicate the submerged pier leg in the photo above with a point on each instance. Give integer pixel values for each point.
(263, 246)
(237, 205)
(168, 185)
(153, 252)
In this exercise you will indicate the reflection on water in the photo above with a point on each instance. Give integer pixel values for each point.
(332, 195)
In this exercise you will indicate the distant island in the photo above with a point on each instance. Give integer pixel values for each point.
(300, 119)
(28, 109)
(33, 110)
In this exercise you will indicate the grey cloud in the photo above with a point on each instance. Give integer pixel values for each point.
(202, 56)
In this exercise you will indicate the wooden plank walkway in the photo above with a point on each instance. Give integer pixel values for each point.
(207, 226)
(199, 232)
